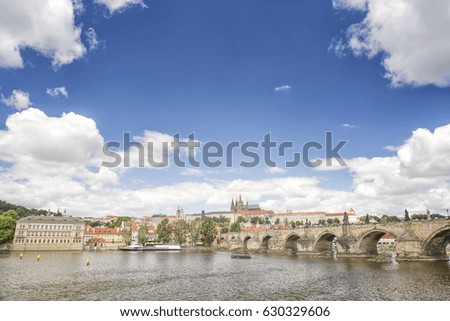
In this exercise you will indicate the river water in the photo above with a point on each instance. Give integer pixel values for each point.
(215, 276)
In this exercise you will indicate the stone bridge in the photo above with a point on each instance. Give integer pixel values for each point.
(414, 240)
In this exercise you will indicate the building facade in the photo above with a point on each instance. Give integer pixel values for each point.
(49, 233)
(314, 217)
(103, 238)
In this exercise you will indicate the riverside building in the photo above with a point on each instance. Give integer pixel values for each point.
(48, 233)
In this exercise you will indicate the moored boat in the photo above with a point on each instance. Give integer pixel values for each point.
(132, 247)
(241, 255)
(165, 247)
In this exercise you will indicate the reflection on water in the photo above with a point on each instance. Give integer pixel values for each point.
(215, 276)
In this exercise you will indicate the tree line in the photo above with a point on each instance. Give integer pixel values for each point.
(183, 232)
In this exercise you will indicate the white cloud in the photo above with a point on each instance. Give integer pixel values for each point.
(45, 26)
(55, 92)
(426, 153)
(330, 164)
(78, 7)
(92, 39)
(55, 162)
(19, 100)
(33, 136)
(283, 88)
(391, 148)
(120, 5)
(350, 4)
(411, 35)
(347, 125)
(275, 170)
(192, 172)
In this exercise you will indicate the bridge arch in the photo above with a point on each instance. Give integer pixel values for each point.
(367, 243)
(436, 243)
(324, 242)
(245, 242)
(290, 242)
(265, 244)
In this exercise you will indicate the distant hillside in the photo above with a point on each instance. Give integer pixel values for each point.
(23, 211)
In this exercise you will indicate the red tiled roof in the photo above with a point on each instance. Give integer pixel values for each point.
(257, 212)
(301, 213)
(97, 240)
(102, 230)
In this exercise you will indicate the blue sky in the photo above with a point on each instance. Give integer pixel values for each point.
(211, 67)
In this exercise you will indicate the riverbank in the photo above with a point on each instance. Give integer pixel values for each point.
(5, 248)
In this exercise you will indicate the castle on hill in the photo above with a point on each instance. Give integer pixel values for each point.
(239, 206)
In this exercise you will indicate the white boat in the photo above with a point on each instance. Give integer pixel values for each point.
(165, 247)
(132, 247)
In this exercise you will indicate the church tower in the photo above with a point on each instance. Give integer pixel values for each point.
(180, 213)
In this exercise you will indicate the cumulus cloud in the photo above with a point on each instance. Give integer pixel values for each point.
(19, 100)
(283, 88)
(55, 92)
(32, 135)
(426, 153)
(55, 162)
(120, 5)
(418, 175)
(275, 170)
(51, 158)
(46, 26)
(346, 125)
(411, 36)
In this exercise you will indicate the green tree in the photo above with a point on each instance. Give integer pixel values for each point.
(209, 231)
(126, 235)
(118, 222)
(419, 217)
(11, 213)
(95, 224)
(240, 219)
(7, 227)
(254, 220)
(266, 220)
(235, 227)
(336, 220)
(277, 221)
(180, 232)
(194, 231)
(143, 234)
(164, 231)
